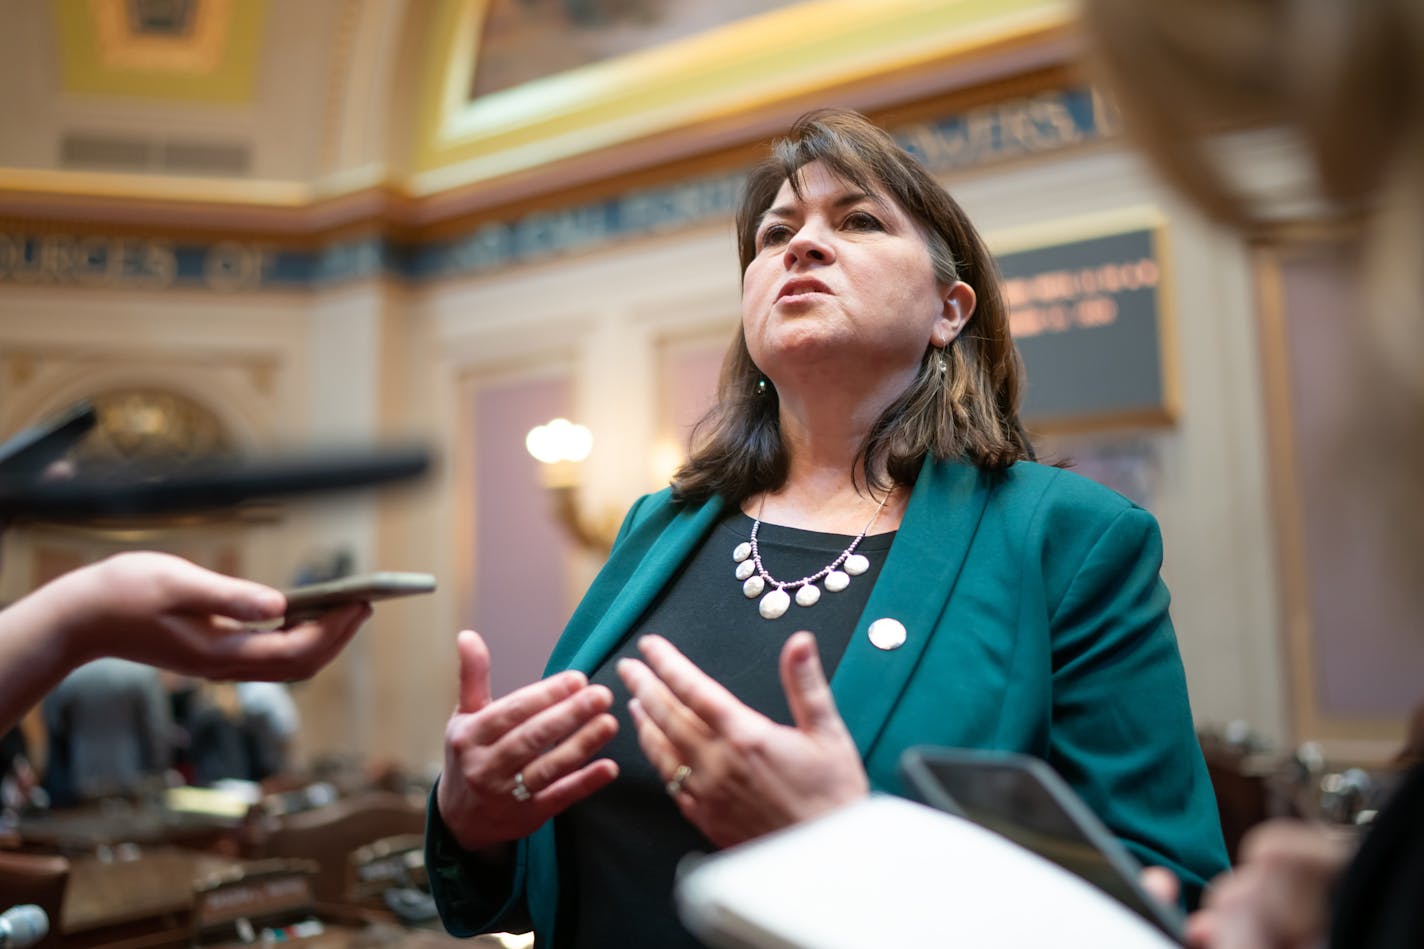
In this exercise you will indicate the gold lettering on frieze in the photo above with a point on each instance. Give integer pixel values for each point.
(1039, 124)
(57, 256)
(93, 264)
(230, 267)
(1052, 123)
(1019, 131)
(1107, 118)
(983, 129)
(160, 263)
(21, 260)
(88, 261)
(937, 150)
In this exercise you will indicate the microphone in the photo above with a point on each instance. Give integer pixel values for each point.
(23, 926)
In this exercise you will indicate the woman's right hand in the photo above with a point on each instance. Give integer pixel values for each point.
(545, 733)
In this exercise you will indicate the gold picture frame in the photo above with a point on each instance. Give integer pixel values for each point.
(782, 56)
(1349, 736)
(1166, 409)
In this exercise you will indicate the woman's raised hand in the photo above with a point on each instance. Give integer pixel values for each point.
(512, 763)
(735, 773)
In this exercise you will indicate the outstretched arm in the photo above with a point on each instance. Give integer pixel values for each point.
(164, 611)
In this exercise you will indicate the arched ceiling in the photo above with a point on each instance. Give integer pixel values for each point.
(303, 116)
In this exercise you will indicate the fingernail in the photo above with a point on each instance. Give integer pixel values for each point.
(263, 605)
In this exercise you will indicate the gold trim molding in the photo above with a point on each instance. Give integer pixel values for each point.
(749, 66)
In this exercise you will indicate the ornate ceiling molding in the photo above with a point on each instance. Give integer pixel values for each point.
(105, 49)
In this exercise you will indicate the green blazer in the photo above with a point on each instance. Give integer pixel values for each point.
(1037, 622)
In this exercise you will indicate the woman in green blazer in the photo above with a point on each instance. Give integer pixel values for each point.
(864, 477)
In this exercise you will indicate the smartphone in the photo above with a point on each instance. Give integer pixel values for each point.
(1022, 798)
(27, 453)
(316, 598)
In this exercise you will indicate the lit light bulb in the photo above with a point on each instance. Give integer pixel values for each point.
(559, 440)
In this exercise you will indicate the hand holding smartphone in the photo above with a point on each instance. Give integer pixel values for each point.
(305, 602)
(1023, 799)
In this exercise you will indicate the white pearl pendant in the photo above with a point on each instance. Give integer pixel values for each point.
(836, 581)
(745, 569)
(856, 564)
(808, 595)
(741, 552)
(753, 587)
(774, 604)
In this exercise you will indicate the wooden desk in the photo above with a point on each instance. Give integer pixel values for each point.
(148, 902)
(151, 893)
(83, 830)
(343, 930)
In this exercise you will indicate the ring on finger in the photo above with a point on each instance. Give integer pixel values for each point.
(520, 790)
(678, 779)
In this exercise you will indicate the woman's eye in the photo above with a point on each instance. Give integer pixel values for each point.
(775, 235)
(862, 221)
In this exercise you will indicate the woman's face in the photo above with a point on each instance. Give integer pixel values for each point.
(841, 276)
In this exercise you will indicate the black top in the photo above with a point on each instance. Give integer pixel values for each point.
(1378, 904)
(12, 746)
(619, 848)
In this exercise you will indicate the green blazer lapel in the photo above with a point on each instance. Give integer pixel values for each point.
(917, 581)
(638, 571)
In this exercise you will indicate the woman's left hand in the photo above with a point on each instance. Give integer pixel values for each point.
(734, 772)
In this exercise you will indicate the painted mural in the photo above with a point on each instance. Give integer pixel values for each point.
(524, 40)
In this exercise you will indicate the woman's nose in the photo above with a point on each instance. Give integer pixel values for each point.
(810, 245)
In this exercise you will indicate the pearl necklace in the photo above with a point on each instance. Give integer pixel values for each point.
(777, 601)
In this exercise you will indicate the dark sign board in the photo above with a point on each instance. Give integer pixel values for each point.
(1086, 318)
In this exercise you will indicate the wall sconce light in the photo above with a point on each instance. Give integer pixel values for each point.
(562, 446)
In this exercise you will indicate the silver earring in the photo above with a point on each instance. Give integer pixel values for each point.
(761, 386)
(941, 364)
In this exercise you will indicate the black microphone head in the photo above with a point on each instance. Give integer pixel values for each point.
(23, 926)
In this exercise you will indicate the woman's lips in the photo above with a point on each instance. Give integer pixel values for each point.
(796, 290)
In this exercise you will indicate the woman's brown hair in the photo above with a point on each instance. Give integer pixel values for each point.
(969, 412)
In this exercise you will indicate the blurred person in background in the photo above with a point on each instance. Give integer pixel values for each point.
(217, 749)
(269, 722)
(1346, 79)
(110, 732)
(18, 780)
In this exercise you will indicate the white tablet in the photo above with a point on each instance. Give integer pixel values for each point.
(890, 872)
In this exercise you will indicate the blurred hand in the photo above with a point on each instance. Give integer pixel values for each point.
(165, 611)
(1278, 896)
(545, 733)
(1162, 884)
(749, 775)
